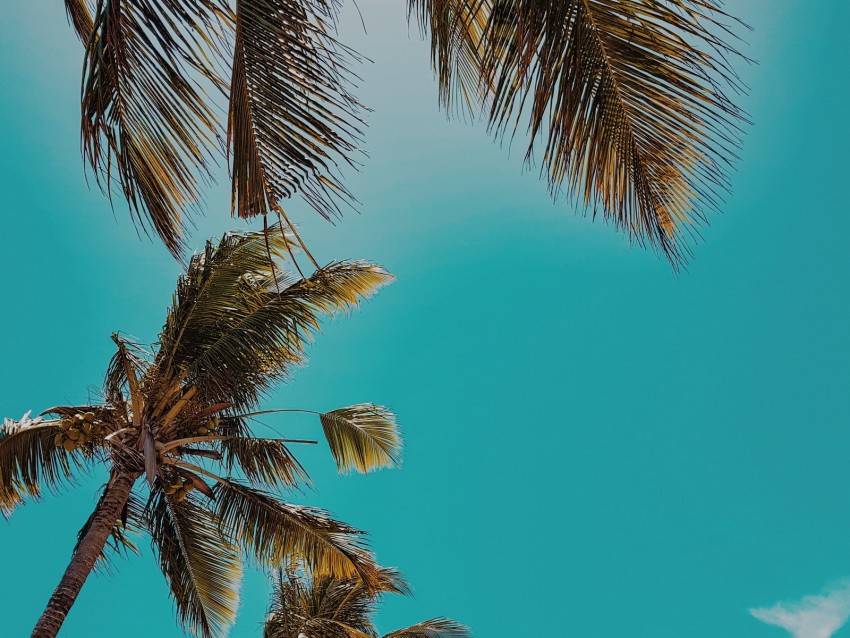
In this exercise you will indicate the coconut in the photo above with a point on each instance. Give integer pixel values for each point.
(89, 417)
(69, 445)
(203, 431)
(78, 418)
(74, 434)
(59, 439)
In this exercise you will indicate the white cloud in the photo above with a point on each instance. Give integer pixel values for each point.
(813, 616)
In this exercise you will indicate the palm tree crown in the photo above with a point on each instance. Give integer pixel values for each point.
(179, 414)
(326, 607)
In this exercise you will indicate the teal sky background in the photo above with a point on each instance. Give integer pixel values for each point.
(593, 446)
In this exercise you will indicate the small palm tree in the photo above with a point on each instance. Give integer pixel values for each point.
(627, 103)
(175, 423)
(327, 607)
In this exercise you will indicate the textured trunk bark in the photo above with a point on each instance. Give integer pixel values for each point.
(85, 556)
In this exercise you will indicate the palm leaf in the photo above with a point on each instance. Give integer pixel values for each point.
(30, 462)
(274, 532)
(319, 606)
(199, 563)
(263, 461)
(435, 628)
(293, 120)
(147, 126)
(80, 15)
(363, 437)
(627, 100)
(239, 324)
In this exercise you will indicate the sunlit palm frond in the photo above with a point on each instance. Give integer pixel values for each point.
(31, 461)
(276, 532)
(319, 606)
(148, 126)
(201, 566)
(293, 120)
(240, 323)
(628, 101)
(80, 15)
(434, 628)
(363, 437)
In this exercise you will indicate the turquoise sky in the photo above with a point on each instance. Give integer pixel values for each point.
(594, 446)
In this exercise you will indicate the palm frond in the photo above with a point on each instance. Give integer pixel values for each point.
(457, 33)
(434, 628)
(275, 532)
(80, 16)
(629, 101)
(319, 606)
(200, 564)
(293, 120)
(239, 324)
(31, 461)
(147, 124)
(363, 437)
(126, 368)
(263, 461)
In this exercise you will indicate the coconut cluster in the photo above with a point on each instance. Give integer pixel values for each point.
(209, 427)
(180, 488)
(78, 430)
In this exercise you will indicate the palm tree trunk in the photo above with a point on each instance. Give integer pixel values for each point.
(84, 557)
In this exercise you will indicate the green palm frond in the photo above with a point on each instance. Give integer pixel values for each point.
(293, 120)
(276, 532)
(434, 628)
(147, 124)
(263, 461)
(326, 607)
(31, 461)
(237, 327)
(628, 101)
(200, 564)
(363, 437)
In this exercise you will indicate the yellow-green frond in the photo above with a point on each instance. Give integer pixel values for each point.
(200, 564)
(276, 533)
(434, 628)
(31, 460)
(363, 437)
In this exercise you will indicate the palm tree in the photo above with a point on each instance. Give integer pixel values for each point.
(327, 607)
(625, 101)
(174, 425)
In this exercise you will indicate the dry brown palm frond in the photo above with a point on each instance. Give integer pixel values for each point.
(627, 100)
(81, 18)
(293, 121)
(148, 127)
